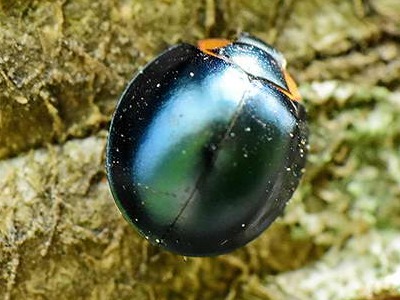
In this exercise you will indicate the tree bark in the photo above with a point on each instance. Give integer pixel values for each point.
(63, 65)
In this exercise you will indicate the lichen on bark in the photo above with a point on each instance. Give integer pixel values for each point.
(63, 65)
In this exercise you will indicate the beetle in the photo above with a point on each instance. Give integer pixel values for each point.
(207, 145)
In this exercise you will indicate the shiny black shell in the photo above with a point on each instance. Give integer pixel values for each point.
(204, 151)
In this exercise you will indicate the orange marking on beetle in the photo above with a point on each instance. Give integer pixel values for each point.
(294, 93)
(207, 45)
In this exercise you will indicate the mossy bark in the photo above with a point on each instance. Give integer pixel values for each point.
(63, 65)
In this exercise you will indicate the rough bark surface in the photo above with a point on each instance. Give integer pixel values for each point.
(63, 65)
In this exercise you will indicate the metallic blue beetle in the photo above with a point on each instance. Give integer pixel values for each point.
(207, 145)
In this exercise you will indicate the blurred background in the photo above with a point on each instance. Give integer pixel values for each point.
(63, 65)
